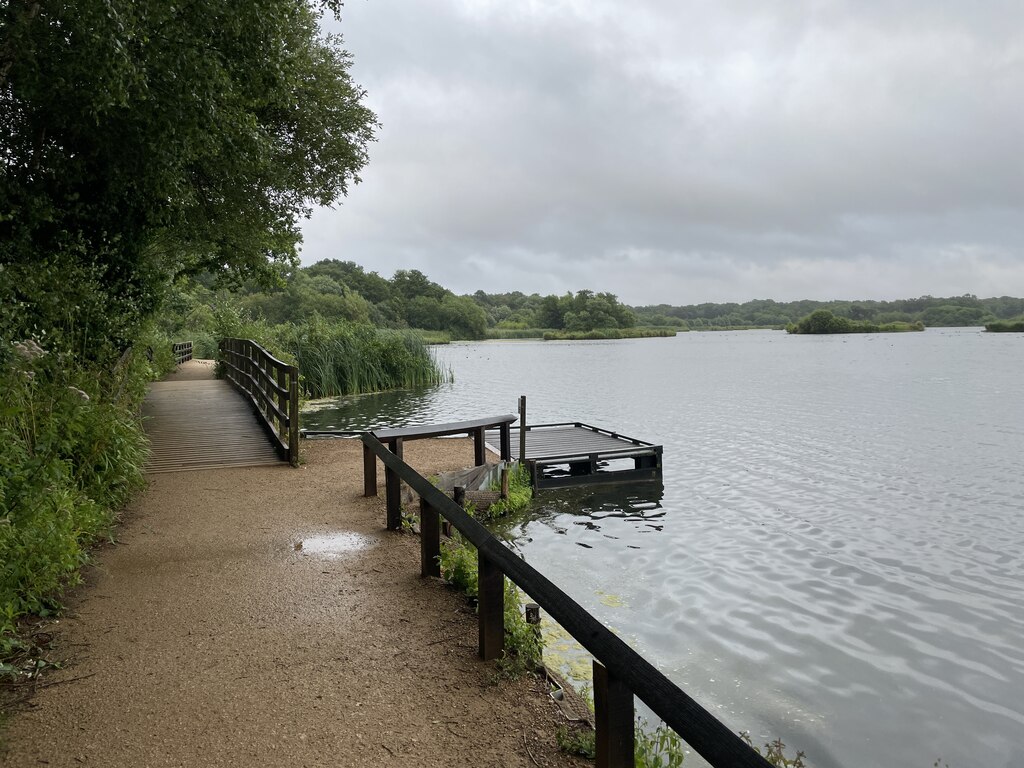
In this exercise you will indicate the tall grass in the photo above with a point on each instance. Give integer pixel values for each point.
(348, 359)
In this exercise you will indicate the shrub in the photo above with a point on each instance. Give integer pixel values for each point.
(73, 450)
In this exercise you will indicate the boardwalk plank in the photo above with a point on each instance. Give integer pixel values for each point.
(202, 424)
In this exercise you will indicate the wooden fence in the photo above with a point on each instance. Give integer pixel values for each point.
(619, 671)
(182, 351)
(271, 386)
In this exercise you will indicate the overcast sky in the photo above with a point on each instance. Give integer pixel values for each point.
(684, 151)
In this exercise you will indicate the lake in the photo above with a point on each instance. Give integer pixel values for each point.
(835, 557)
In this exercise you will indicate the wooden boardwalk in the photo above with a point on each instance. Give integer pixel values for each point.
(195, 421)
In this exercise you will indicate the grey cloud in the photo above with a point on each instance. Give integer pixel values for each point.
(740, 149)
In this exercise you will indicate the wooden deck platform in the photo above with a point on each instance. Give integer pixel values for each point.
(197, 422)
(569, 454)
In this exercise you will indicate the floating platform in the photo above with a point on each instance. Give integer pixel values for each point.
(572, 453)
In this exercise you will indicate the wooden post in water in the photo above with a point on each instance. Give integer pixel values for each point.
(491, 608)
(613, 718)
(430, 540)
(522, 428)
(393, 489)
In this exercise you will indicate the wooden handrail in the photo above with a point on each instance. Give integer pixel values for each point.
(272, 386)
(625, 667)
(182, 351)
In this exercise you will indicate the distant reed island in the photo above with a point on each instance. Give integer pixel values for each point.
(1006, 326)
(823, 321)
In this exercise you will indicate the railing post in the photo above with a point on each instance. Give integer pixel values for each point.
(282, 404)
(506, 442)
(522, 428)
(490, 608)
(613, 719)
(369, 471)
(393, 490)
(430, 540)
(293, 415)
(479, 447)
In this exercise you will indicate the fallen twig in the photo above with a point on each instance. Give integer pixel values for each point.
(527, 745)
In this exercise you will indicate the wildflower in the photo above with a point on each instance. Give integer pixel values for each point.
(28, 375)
(80, 393)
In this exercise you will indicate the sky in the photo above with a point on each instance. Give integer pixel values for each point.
(691, 150)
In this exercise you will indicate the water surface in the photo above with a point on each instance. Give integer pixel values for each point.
(835, 556)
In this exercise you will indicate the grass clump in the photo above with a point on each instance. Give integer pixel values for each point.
(520, 493)
(577, 740)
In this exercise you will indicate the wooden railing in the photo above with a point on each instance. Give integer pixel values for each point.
(394, 439)
(182, 351)
(271, 386)
(619, 671)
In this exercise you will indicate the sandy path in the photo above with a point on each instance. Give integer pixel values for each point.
(207, 638)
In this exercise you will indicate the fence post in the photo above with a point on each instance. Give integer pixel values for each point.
(293, 415)
(522, 428)
(282, 404)
(491, 608)
(504, 433)
(613, 719)
(369, 471)
(393, 489)
(479, 447)
(430, 540)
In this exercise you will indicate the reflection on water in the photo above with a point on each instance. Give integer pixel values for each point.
(373, 411)
(836, 555)
(617, 511)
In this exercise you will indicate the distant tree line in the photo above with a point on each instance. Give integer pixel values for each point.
(337, 290)
(967, 310)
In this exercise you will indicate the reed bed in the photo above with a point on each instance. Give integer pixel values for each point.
(1006, 326)
(609, 333)
(347, 359)
(516, 333)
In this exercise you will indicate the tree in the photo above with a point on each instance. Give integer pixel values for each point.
(145, 139)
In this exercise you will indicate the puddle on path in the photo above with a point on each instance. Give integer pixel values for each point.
(334, 545)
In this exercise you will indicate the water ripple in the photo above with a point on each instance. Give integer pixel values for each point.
(835, 557)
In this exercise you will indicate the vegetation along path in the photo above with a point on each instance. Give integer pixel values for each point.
(263, 616)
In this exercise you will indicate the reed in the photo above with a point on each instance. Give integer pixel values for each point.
(348, 359)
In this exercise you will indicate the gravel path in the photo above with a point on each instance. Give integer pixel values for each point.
(264, 617)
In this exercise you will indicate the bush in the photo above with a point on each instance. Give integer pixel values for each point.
(73, 450)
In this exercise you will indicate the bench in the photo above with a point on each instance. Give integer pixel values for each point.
(393, 439)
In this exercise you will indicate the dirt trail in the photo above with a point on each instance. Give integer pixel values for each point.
(221, 631)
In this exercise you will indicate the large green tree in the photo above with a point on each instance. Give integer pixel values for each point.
(141, 140)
